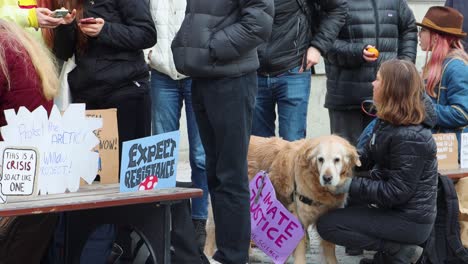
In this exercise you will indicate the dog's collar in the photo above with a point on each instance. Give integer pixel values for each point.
(303, 198)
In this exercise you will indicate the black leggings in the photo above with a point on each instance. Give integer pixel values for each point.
(370, 228)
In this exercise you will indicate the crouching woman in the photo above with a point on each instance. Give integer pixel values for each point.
(402, 183)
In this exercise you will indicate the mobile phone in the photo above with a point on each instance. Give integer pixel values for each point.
(59, 13)
(304, 62)
(88, 20)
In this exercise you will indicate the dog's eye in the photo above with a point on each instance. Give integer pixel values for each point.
(336, 160)
(320, 159)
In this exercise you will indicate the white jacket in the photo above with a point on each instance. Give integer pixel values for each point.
(168, 16)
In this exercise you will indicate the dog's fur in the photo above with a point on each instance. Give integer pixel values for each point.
(314, 166)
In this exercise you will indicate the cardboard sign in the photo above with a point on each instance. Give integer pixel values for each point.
(464, 151)
(19, 172)
(447, 150)
(150, 162)
(274, 229)
(108, 148)
(64, 144)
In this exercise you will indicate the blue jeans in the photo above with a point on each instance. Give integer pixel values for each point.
(168, 96)
(290, 91)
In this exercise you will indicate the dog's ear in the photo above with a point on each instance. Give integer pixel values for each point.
(354, 156)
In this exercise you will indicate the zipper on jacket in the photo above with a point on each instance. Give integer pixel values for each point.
(298, 27)
(377, 26)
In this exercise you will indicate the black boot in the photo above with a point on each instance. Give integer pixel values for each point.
(353, 251)
(200, 232)
(366, 261)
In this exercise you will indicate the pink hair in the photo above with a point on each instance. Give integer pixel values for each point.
(444, 46)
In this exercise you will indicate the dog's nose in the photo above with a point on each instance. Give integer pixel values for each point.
(327, 178)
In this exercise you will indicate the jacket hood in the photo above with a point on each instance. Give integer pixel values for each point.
(431, 115)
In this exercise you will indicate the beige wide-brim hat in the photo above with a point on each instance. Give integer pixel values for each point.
(444, 20)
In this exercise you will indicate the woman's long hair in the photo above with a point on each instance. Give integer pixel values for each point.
(18, 41)
(444, 46)
(401, 94)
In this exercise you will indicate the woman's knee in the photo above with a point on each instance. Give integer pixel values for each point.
(325, 225)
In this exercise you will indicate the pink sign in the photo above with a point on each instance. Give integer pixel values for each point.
(274, 229)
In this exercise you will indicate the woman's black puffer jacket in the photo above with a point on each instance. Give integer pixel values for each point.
(403, 170)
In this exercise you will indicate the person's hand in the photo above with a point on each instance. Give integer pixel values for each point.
(92, 30)
(149, 55)
(69, 18)
(312, 58)
(368, 56)
(343, 188)
(45, 20)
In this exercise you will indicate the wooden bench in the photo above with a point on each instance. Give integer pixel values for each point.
(147, 211)
(455, 174)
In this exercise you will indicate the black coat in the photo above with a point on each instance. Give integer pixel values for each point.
(298, 25)
(115, 57)
(389, 26)
(220, 38)
(402, 167)
(462, 7)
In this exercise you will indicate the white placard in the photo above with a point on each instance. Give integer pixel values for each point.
(64, 142)
(464, 151)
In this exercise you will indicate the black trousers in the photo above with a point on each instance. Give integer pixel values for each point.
(133, 109)
(371, 228)
(224, 109)
(348, 123)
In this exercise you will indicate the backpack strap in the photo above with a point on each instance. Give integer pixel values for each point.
(453, 237)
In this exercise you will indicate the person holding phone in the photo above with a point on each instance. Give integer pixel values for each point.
(302, 32)
(31, 15)
(110, 72)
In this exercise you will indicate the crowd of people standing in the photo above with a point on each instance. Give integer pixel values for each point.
(240, 67)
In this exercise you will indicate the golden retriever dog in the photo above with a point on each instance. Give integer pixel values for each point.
(303, 173)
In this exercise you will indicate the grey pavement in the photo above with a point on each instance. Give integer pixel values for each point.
(258, 257)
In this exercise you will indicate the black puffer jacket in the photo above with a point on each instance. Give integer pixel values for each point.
(389, 26)
(297, 26)
(220, 38)
(403, 169)
(115, 57)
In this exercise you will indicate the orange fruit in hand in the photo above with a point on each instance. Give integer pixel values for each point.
(374, 51)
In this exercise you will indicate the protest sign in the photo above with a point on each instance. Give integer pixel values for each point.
(464, 151)
(64, 144)
(447, 150)
(19, 169)
(274, 229)
(108, 148)
(149, 162)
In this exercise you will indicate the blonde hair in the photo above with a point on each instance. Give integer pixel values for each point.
(17, 40)
(401, 96)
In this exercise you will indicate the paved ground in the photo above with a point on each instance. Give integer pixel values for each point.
(258, 257)
(313, 256)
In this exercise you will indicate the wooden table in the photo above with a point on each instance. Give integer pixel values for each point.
(455, 174)
(93, 205)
